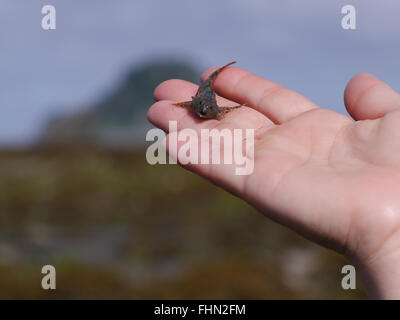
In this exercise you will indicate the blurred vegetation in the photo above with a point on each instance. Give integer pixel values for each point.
(116, 227)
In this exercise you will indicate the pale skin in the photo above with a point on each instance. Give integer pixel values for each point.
(332, 178)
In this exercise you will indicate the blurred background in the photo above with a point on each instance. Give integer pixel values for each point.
(76, 191)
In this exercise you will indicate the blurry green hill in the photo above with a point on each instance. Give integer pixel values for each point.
(116, 227)
(120, 118)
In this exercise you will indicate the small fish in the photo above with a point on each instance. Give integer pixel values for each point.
(204, 103)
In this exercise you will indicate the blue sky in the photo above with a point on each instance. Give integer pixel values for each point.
(298, 43)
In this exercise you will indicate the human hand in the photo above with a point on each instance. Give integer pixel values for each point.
(332, 179)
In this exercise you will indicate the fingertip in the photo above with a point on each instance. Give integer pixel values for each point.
(159, 91)
(175, 90)
(355, 90)
(152, 113)
(357, 84)
(364, 75)
(162, 111)
(367, 97)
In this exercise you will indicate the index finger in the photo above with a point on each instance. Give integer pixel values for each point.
(273, 100)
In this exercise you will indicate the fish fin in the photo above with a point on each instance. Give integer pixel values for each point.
(224, 110)
(185, 104)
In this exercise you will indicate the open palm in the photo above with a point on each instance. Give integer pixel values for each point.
(331, 178)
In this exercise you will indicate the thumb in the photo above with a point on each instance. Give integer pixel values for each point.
(367, 97)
